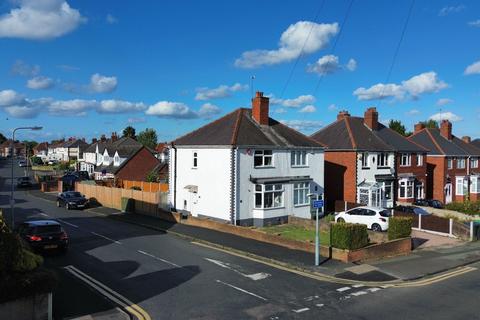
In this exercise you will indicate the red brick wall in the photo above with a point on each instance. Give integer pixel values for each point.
(340, 176)
(420, 172)
(139, 166)
(437, 171)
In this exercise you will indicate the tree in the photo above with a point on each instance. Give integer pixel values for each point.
(148, 138)
(29, 145)
(129, 132)
(2, 138)
(430, 123)
(397, 125)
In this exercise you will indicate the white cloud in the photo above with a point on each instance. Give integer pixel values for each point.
(111, 19)
(120, 106)
(475, 23)
(303, 125)
(444, 101)
(330, 64)
(445, 116)
(208, 110)
(426, 82)
(293, 103)
(136, 120)
(10, 98)
(40, 82)
(75, 107)
(332, 107)
(222, 91)
(413, 112)
(292, 41)
(445, 11)
(20, 68)
(308, 109)
(474, 68)
(39, 20)
(102, 84)
(22, 112)
(280, 110)
(167, 109)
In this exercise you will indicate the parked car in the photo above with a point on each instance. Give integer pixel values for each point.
(44, 235)
(24, 182)
(82, 175)
(52, 162)
(421, 202)
(412, 210)
(23, 163)
(374, 218)
(435, 204)
(71, 200)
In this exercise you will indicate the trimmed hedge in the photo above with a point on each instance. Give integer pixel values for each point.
(349, 236)
(467, 207)
(399, 227)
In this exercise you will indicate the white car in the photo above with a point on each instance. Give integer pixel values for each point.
(376, 219)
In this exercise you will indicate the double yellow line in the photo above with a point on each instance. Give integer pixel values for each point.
(435, 279)
(130, 307)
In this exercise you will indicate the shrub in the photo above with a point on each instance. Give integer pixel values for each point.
(349, 236)
(19, 285)
(329, 217)
(399, 227)
(467, 207)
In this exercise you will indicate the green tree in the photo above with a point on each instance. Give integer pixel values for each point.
(397, 125)
(30, 145)
(129, 132)
(2, 138)
(148, 138)
(430, 123)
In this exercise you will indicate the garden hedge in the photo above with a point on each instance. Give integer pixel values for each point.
(399, 227)
(349, 236)
(467, 207)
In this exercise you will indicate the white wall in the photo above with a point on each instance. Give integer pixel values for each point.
(369, 174)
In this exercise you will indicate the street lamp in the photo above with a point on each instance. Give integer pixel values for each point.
(317, 242)
(12, 149)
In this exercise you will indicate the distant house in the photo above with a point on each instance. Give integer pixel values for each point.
(66, 150)
(245, 168)
(41, 150)
(6, 149)
(452, 163)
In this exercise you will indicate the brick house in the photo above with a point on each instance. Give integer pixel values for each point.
(367, 162)
(6, 149)
(452, 163)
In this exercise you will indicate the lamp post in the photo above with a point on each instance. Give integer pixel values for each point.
(317, 242)
(12, 149)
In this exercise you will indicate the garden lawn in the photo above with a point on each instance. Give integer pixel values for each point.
(298, 233)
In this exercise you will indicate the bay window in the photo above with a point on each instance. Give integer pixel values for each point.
(461, 186)
(268, 196)
(405, 189)
(263, 158)
(475, 184)
(300, 192)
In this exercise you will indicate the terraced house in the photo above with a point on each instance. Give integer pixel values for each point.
(452, 163)
(245, 168)
(368, 163)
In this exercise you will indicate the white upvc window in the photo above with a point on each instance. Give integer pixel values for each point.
(474, 162)
(475, 184)
(382, 159)
(460, 163)
(405, 189)
(449, 163)
(461, 186)
(419, 160)
(405, 160)
(268, 196)
(365, 160)
(298, 159)
(195, 159)
(300, 192)
(420, 190)
(263, 158)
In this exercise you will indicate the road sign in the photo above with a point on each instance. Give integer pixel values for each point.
(318, 204)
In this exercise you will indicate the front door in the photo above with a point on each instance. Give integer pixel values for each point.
(448, 193)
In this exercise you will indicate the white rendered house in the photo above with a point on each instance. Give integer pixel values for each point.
(245, 168)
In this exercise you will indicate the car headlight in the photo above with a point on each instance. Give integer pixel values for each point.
(72, 203)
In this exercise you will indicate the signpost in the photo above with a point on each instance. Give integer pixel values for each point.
(317, 204)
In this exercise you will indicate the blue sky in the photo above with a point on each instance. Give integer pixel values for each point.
(84, 68)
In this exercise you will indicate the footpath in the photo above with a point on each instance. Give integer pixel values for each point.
(419, 264)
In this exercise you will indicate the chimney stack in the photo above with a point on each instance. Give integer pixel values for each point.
(94, 140)
(371, 118)
(467, 139)
(342, 115)
(114, 136)
(419, 127)
(103, 138)
(260, 106)
(446, 129)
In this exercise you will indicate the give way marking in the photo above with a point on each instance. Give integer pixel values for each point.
(253, 276)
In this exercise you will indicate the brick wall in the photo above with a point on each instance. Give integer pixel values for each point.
(139, 166)
(437, 177)
(340, 176)
(418, 171)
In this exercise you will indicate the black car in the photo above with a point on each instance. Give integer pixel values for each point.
(435, 204)
(71, 200)
(421, 202)
(412, 210)
(24, 182)
(43, 235)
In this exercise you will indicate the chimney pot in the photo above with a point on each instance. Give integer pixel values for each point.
(342, 114)
(418, 127)
(467, 139)
(260, 108)
(371, 118)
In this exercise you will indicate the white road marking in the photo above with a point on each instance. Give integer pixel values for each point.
(43, 214)
(359, 293)
(159, 259)
(373, 289)
(104, 237)
(343, 289)
(242, 290)
(254, 276)
(114, 296)
(319, 305)
(68, 223)
(358, 285)
(301, 310)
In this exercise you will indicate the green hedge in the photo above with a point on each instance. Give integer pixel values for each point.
(19, 285)
(399, 227)
(349, 236)
(467, 207)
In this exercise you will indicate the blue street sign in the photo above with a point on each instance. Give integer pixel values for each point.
(318, 204)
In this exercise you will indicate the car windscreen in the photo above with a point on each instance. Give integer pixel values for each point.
(48, 229)
(420, 211)
(74, 195)
(385, 213)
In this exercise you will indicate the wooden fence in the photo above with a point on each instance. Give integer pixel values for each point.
(144, 186)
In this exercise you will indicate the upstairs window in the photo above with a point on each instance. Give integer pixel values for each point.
(405, 160)
(474, 163)
(460, 163)
(195, 160)
(263, 158)
(365, 162)
(299, 158)
(449, 163)
(419, 160)
(383, 159)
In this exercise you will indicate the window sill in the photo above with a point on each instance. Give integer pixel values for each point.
(264, 167)
(365, 168)
(302, 166)
(383, 167)
(194, 168)
(301, 205)
(266, 209)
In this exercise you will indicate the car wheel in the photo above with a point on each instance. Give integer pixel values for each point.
(341, 220)
(376, 227)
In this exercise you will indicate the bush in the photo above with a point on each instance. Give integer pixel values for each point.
(329, 218)
(467, 207)
(349, 236)
(20, 285)
(399, 227)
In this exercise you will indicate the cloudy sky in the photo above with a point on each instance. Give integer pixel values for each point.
(86, 67)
